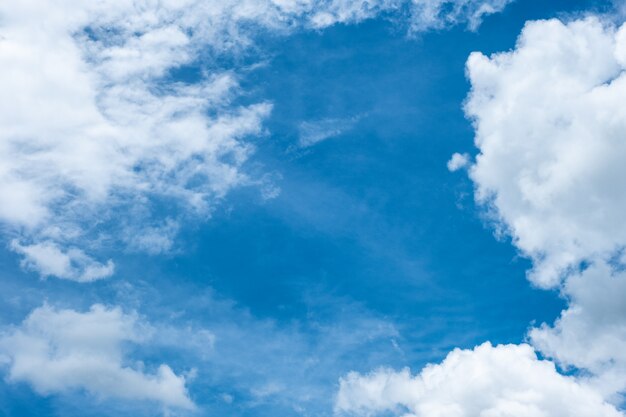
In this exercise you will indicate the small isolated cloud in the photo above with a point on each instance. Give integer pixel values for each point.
(488, 381)
(48, 259)
(458, 161)
(314, 132)
(550, 124)
(57, 351)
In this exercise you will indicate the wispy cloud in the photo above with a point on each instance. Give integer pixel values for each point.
(314, 132)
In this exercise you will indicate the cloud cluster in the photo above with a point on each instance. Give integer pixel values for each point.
(591, 333)
(93, 124)
(58, 351)
(488, 381)
(458, 161)
(88, 125)
(550, 127)
(97, 135)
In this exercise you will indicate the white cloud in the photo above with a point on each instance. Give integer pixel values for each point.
(501, 381)
(57, 351)
(550, 124)
(90, 126)
(591, 333)
(458, 161)
(50, 260)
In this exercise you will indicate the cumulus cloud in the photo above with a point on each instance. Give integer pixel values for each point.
(550, 125)
(458, 161)
(57, 351)
(488, 381)
(91, 123)
(591, 333)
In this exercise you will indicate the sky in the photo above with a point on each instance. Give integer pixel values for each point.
(313, 208)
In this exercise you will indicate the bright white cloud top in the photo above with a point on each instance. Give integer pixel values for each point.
(58, 351)
(488, 381)
(550, 128)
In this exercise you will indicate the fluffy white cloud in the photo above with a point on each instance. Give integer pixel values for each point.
(501, 381)
(591, 332)
(458, 161)
(91, 124)
(49, 260)
(550, 125)
(62, 350)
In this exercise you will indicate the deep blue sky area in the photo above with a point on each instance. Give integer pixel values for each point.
(369, 230)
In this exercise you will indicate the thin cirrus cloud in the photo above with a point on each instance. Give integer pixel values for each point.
(58, 351)
(92, 126)
(48, 259)
(314, 132)
(550, 126)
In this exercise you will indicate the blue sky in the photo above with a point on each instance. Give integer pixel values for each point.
(349, 246)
